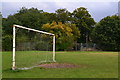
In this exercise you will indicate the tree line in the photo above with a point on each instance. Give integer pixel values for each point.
(69, 27)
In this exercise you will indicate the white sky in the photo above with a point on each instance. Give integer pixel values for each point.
(97, 8)
(59, 0)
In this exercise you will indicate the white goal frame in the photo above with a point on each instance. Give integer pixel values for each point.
(14, 35)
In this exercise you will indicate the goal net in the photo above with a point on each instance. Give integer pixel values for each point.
(32, 47)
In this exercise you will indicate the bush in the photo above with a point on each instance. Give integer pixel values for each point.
(7, 43)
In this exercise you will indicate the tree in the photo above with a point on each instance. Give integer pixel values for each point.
(107, 33)
(63, 15)
(8, 24)
(32, 17)
(0, 31)
(66, 34)
(51, 17)
(84, 22)
(6, 42)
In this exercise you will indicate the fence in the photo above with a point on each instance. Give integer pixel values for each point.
(85, 47)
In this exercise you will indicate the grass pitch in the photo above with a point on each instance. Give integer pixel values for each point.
(96, 65)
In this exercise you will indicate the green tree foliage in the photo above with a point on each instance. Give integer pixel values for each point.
(60, 15)
(66, 34)
(0, 31)
(32, 18)
(7, 24)
(35, 18)
(63, 15)
(84, 22)
(107, 33)
(7, 42)
(51, 17)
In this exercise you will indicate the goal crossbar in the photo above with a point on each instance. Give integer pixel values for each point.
(32, 29)
(14, 35)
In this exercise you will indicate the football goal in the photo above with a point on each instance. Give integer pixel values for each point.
(31, 47)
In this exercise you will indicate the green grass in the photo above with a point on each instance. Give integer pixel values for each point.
(96, 65)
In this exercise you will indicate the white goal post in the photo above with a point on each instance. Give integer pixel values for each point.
(14, 43)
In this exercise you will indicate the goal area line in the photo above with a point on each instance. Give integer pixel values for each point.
(42, 62)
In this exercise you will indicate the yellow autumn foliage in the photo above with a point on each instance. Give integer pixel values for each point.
(65, 34)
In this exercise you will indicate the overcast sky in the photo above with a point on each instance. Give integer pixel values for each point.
(98, 10)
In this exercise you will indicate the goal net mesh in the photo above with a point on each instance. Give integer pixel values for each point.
(32, 48)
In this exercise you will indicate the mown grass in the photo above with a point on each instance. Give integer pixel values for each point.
(93, 65)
